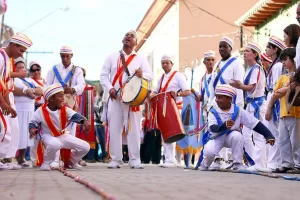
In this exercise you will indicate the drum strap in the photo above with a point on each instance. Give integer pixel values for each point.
(122, 68)
(167, 83)
(27, 83)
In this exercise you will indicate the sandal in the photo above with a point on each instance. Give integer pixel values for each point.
(294, 171)
(282, 170)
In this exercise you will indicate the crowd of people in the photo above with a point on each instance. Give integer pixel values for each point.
(239, 116)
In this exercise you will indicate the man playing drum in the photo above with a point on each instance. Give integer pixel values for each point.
(72, 80)
(174, 82)
(120, 115)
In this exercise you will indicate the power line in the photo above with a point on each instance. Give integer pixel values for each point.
(209, 13)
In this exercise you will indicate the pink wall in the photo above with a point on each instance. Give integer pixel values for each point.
(204, 24)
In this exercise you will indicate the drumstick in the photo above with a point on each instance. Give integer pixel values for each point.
(194, 92)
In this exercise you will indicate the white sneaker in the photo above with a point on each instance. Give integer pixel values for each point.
(237, 166)
(25, 165)
(54, 165)
(13, 166)
(216, 165)
(168, 165)
(203, 168)
(113, 165)
(139, 166)
(76, 166)
(4, 166)
(45, 167)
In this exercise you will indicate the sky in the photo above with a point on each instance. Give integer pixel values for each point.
(93, 28)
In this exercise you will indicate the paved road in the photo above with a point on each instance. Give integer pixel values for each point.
(151, 183)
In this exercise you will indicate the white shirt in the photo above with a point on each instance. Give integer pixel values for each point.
(257, 77)
(24, 103)
(234, 71)
(78, 82)
(202, 86)
(8, 65)
(110, 68)
(178, 82)
(297, 57)
(243, 118)
(55, 116)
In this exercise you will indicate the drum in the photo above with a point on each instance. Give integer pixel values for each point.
(135, 91)
(167, 117)
(293, 98)
(70, 100)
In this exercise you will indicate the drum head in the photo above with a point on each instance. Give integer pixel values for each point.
(131, 89)
(69, 100)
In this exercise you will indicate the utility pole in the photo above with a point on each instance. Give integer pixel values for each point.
(1, 33)
(241, 36)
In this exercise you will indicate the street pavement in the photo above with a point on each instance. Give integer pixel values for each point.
(152, 183)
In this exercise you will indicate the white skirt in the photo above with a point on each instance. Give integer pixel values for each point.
(24, 118)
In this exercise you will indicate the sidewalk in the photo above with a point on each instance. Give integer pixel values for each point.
(150, 183)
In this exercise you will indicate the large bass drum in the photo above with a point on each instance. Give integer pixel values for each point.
(167, 117)
(135, 91)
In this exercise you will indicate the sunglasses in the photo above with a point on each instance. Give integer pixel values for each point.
(35, 70)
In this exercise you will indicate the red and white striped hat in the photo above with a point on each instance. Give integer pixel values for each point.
(66, 50)
(254, 46)
(277, 42)
(226, 90)
(267, 58)
(52, 89)
(21, 39)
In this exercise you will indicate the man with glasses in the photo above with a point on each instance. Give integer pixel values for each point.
(72, 80)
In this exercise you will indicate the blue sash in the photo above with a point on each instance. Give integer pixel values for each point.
(276, 111)
(205, 89)
(256, 103)
(27, 83)
(219, 75)
(206, 136)
(220, 122)
(62, 82)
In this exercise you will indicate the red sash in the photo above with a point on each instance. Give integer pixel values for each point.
(42, 85)
(64, 153)
(4, 124)
(167, 83)
(121, 69)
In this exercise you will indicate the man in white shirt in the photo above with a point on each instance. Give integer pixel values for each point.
(229, 68)
(175, 82)
(69, 76)
(113, 78)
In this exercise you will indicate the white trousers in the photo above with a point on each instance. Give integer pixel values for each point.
(169, 152)
(256, 150)
(33, 150)
(6, 143)
(79, 148)
(233, 140)
(117, 118)
(289, 142)
(14, 146)
(274, 158)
